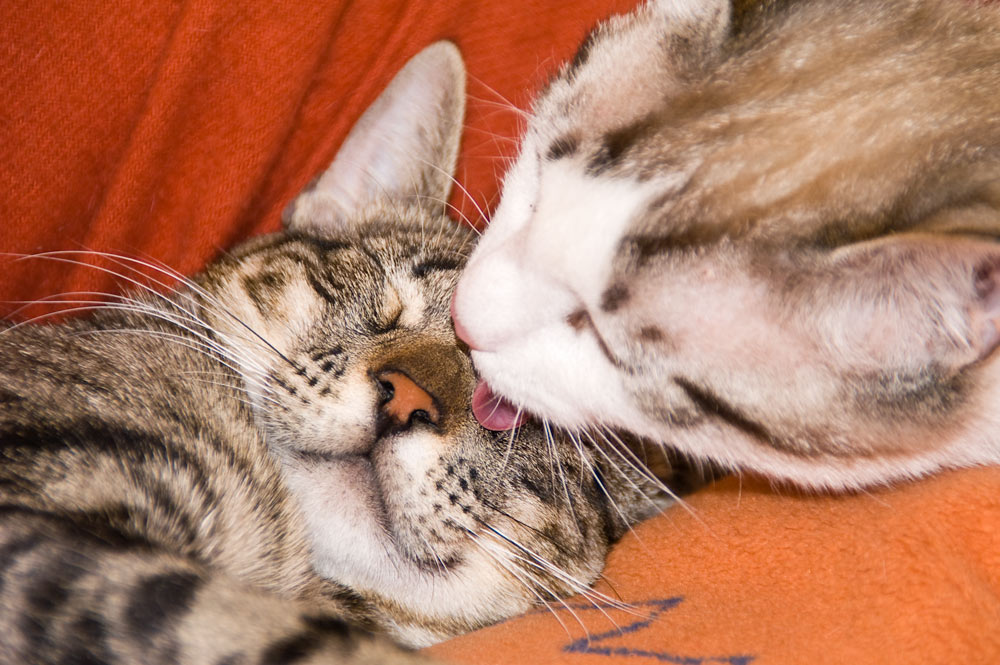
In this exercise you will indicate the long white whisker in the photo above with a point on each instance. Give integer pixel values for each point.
(180, 340)
(238, 387)
(208, 300)
(121, 260)
(641, 468)
(550, 441)
(542, 564)
(509, 567)
(177, 315)
(642, 472)
(184, 320)
(509, 105)
(455, 181)
(607, 493)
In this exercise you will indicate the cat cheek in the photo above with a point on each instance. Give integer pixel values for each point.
(460, 331)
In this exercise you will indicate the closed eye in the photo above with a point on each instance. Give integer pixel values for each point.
(435, 264)
(391, 324)
(391, 311)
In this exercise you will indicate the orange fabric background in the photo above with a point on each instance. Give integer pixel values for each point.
(754, 575)
(174, 129)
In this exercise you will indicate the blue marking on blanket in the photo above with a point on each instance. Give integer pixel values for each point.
(598, 644)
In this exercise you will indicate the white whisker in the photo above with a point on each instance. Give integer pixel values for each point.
(535, 585)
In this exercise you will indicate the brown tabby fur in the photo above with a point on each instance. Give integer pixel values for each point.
(229, 474)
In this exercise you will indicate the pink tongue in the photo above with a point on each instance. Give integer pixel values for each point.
(494, 412)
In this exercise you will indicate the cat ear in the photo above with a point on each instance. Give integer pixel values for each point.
(933, 294)
(402, 150)
(700, 24)
(985, 309)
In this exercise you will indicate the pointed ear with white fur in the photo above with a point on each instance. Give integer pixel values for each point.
(402, 149)
(941, 287)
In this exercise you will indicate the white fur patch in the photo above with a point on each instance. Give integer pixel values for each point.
(413, 302)
(517, 292)
(350, 545)
(537, 271)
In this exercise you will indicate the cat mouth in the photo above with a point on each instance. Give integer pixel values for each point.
(364, 485)
(495, 412)
(367, 496)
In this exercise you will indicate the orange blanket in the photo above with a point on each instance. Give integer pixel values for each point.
(747, 575)
(172, 130)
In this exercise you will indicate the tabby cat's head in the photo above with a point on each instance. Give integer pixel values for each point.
(764, 235)
(340, 328)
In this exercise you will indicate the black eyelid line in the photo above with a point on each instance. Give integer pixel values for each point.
(433, 264)
(381, 327)
(394, 323)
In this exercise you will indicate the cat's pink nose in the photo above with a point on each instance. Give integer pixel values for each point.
(406, 400)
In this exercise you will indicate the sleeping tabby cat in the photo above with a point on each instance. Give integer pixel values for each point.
(279, 455)
(764, 233)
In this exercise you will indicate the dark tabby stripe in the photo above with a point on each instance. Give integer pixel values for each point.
(616, 143)
(925, 392)
(614, 297)
(326, 352)
(158, 599)
(583, 51)
(714, 405)
(67, 604)
(643, 248)
(562, 147)
(439, 263)
(325, 290)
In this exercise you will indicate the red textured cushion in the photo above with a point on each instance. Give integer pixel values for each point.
(173, 130)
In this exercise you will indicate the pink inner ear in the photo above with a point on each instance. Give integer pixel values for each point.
(987, 313)
(494, 412)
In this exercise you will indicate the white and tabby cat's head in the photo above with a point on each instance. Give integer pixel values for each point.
(340, 328)
(763, 233)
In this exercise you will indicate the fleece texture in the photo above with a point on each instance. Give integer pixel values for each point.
(746, 573)
(174, 129)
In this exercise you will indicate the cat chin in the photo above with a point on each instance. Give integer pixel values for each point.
(358, 517)
(592, 398)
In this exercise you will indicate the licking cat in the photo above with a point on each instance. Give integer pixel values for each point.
(280, 455)
(762, 233)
